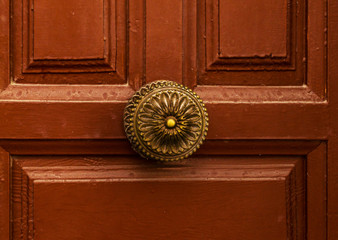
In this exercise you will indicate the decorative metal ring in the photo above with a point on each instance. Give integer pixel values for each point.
(165, 121)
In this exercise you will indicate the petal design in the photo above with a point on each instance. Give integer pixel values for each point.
(174, 103)
(152, 123)
(150, 112)
(182, 106)
(164, 98)
(156, 105)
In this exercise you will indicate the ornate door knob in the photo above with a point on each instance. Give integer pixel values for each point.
(165, 121)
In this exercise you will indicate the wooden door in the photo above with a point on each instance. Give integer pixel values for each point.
(267, 71)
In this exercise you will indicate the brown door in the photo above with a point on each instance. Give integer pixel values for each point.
(267, 71)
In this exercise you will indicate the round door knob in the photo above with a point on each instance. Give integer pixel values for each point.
(165, 121)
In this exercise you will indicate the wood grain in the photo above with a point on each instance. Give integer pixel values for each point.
(241, 53)
(137, 42)
(122, 147)
(317, 47)
(103, 120)
(91, 175)
(4, 195)
(129, 198)
(332, 171)
(4, 45)
(164, 47)
(67, 39)
(317, 193)
(253, 35)
(69, 52)
(268, 168)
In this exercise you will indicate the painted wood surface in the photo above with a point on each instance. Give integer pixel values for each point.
(266, 70)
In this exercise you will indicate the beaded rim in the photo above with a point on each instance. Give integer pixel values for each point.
(132, 121)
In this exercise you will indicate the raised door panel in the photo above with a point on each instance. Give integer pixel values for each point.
(264, 108)
(252, 43)
(278, 194)
(254, 35)
(120, 198)
(67, 85)
(262, 43)
(75, 42)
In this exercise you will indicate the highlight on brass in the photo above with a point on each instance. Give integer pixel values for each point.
(165, 121)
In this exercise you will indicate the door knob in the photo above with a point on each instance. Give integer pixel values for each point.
(165, 121)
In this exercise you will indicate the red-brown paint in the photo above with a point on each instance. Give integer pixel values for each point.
(268, 168)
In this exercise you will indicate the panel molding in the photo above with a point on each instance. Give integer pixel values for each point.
(64, 93)
(32, 64)
(292, 206)
(110, 68)
(34, 169)
(22, 204)
(215, 69)
(5, 191)
(258, 94)
(216, 61)
(74, 119)
(122, 147)
(31, 171)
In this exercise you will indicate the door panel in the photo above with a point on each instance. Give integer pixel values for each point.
(265, 71)
(222, 196)
(69, 42)
(171, 216)
(120, 197)
(243, 47)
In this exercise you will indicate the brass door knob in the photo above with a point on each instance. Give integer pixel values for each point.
(165, 121)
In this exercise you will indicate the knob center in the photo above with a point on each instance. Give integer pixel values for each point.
(170, 122)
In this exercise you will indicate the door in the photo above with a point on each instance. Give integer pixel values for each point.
(266, 71)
